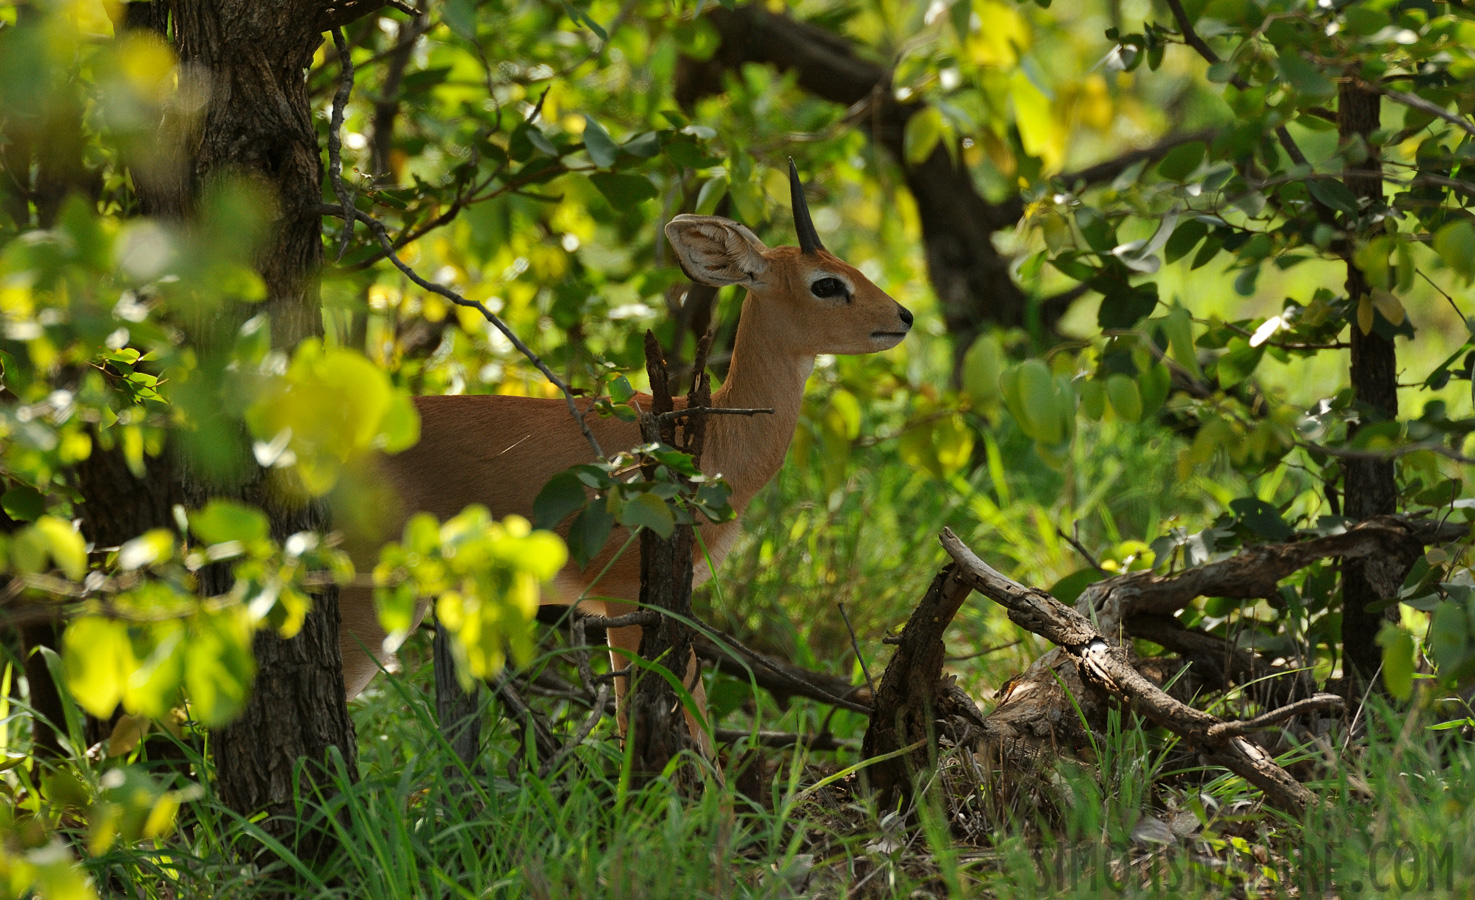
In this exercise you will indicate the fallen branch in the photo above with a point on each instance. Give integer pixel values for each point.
(1106, 668)
(780, 677)
(1256, 572)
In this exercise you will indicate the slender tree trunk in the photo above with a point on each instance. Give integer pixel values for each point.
(1369, 484)
(459, 711)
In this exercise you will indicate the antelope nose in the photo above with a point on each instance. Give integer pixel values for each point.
(906, 315)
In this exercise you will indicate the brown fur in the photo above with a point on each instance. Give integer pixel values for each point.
(500, 451)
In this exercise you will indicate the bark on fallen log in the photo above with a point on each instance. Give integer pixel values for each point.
(1106, 668)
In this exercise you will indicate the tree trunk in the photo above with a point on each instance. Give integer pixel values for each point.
(259, 128)
(1369, 484)
(458, 711)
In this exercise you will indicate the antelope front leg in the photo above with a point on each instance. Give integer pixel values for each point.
(625, 643)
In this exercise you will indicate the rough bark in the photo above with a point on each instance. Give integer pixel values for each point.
(1106, 668)
(904, 719)
(258, 128)
(458, 710)
(1369, 484)
(657, 727)
(116, 507)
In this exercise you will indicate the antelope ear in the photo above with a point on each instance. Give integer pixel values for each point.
(717, 251)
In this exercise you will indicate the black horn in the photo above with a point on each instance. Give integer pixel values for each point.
(808, 237)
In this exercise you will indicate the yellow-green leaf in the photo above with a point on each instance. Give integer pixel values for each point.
(66, 546)
(97, 657)
(923, 130)
(1122, 391)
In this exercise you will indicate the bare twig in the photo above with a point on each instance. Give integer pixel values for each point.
(855, 645)
(1256, 571)
(1276, 716)
(335, 140)
(782, 739)
(779, 676)
(1413, 101)
(382, 233)
(1390, 452)
(676, 414)
(642, 617)
(596, 712)
(1080, 548)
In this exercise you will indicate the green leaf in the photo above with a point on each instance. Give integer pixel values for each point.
(97, 657)
(23, 503)
(601, 148)
(1334, 194)
(1125, 398)
(589, 532)
(1261, 518)
(1449, 639)
(67, 548)
(712, 192)
(1306, 78)
(923, 130)
(1238, 363)
(400, 427)
(1038, 401)
(982, 366)
(646, 510)
(624, 190)
(1455, 244)
(1180, 162)
(218, 667)
(562, 496)
(227, 520)
(1178, 328)
(620, 389)
(1398, 660)
(1185, 237)
(151, 547)
(1123, 304)
(1153, 384)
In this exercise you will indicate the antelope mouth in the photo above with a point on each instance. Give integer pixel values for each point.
(888, 335)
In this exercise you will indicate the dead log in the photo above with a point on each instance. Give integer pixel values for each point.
(903, 727)
(1106, 669)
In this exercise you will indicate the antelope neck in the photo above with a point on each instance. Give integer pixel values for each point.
(748, 450)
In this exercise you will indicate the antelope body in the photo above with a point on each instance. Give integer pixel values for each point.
(500, 451)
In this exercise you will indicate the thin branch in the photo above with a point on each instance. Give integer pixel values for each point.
(675, 414)
(1255, 572)
(1276, 716)
(1192, 39)
(855, 645)
(1107, 170)
(335, 139)
(1081, 549)
(784, 739)
(1413, 101)
(349, 214)
(644, 618)
(596, 712)
(1389, 453)
(776, 676)
(382, 233)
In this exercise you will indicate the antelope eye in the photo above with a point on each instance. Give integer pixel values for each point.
(827, 287)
